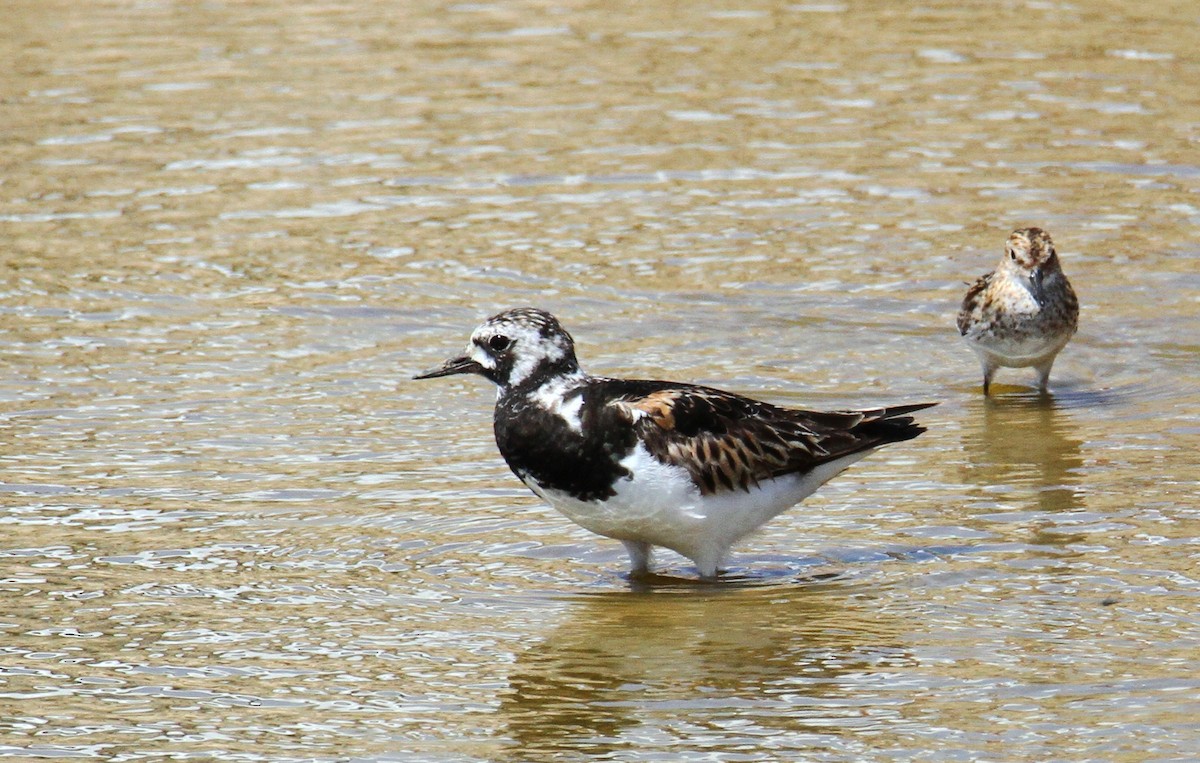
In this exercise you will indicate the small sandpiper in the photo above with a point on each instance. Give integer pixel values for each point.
(656, 463)
(1023, 312)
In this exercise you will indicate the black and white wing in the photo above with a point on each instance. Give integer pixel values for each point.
(727, 442)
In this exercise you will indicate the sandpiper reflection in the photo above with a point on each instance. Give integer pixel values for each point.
(1025, 442)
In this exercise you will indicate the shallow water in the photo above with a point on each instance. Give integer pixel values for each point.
(234, 528)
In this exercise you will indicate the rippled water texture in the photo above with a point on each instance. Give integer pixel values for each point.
(233, 528)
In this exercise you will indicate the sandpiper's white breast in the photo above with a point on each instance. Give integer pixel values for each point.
(1013, 329)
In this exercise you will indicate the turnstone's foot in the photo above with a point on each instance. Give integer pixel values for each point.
(656, 463)
(1023, 312)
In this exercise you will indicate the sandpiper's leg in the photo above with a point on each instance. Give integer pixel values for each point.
(989, 370)
(1043, 372)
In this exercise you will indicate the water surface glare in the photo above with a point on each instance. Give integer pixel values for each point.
(234, 529)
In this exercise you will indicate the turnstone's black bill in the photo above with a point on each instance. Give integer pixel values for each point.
(1023, 312)
(656, 463)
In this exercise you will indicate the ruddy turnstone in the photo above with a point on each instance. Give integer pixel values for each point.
(656, 463)
(1023, 312)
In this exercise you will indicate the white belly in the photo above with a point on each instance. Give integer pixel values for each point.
(660, 505)
(1019, 351)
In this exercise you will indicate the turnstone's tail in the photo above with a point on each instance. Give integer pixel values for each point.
(889, 424)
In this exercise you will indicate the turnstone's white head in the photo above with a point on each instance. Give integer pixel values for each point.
(515, 348)
(1029, 256)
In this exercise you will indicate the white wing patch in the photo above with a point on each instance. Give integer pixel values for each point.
(555, 397)
(634, 413)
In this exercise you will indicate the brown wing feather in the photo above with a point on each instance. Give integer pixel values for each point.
(727, 442)
(970, 310)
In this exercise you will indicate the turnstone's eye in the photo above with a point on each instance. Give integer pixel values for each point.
(1012, 255)
(499, 343)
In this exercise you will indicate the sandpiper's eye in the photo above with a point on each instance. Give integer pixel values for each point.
(499, 343)
(1012, 255)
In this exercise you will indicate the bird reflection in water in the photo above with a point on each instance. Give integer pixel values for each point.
(764, 660)
(1021, 442)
